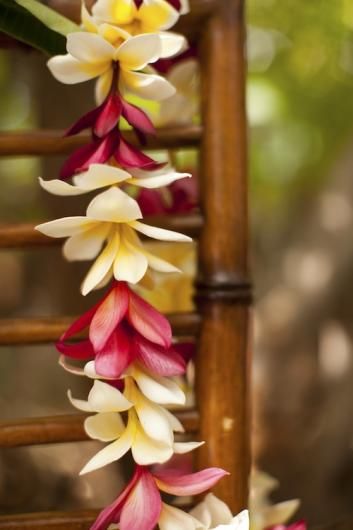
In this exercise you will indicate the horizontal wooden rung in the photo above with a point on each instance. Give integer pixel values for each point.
(78, 520)
(52, 142)
(25, 235)
(21, 331)
(63, 429)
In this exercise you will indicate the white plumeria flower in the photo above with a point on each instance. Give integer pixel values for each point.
(210, 514)
(92, 56)
(181, 108)
(101, 175)
(112, 216)
(149, 432)
(262, 513)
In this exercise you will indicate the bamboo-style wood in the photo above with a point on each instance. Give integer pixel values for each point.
(25, 235)
(51, 142)
(223, 289)
(62, 429)
(21, 331)
(78, 520)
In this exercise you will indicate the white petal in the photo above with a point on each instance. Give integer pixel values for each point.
(147, 451)
(103, 85)
(181, 448)
(79, 404)
(158, 389)
(148, 86)
(59, 187)
(90, 48)
(172, 518)
(158, 181)
(160, 265)
(70, 71)
(114, 205)
(105, 427)
(106, 398)
(122, 12)
(101, 266)
(174, 422)
(109, 454)
(172, 43)
(65, 227)
(159, 233)
(130, 264)
(240, 522)
(137, 52)
(213, 511)
(86, 245)
(99, 176)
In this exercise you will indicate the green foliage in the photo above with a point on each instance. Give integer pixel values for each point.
(35, 24)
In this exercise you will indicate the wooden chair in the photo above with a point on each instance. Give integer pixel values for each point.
(223, 291)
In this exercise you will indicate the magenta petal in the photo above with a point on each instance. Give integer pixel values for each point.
(111, 513)
(158, 360)
(137, 118)
(81, 350)
(109, 115)
(128, 156)
(86, 122)
(175, 3)
(171, 481)
(187, 350)
(151, 202)
(80, 324)
(148, 321)
(143, 506)
(115, 356)
(109, 314)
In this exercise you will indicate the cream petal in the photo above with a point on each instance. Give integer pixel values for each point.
(122, 12)
(66, 227)
(172, 518)
(105, 426)
(75, 370)
(185, 76)
(158, 389)
(148, 86)
(109, 454)
(79, 404)
(280, 513)
(137, 52)
(59, 187)
(70, 71)
(87, 244)
(160, 265)
(157, 15)
(114, 205)
(103, 85)
(181, 448)
(240, 521)
(106, 398)
(101, 266)
(158, 181)
(212, 511)
(99, 176)
(172, 44)
(90, 48)
(104, 282)
(130, 264)
(159, 233)
(147, 451)
(174, 422)
(88, 20)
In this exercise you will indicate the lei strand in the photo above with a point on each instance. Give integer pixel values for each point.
(129, 353)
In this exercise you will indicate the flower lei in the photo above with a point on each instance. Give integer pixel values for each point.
(129, 353)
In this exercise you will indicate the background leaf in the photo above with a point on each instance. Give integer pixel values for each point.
(49, 17)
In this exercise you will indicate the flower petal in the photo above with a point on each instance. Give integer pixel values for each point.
(122, 12)
(159, 180)
(280, 513)
(79, 404)
(129, 156)
(137, 118)
(139, 51)
(99, 176)
(148, 86)
(103, 85)
(160, 265)
(105, 398)
(101, 266)
(158, 389)
(159, 360)
(130, 264)
(59, 187)
(181, 448)
(108, 315)
(143, 506)
(90, 48)
(148, 321)
(86, 245)
(109, 115)
(212, 512)
(115, 357)
(159, 233)
(147, 451)
(105, 426)
(172, 518)
(65, 227)
(157, 15)
(114, 205)
(70, 71)
(109, 454)
(81, 350)
(172, 44)
(171, 481)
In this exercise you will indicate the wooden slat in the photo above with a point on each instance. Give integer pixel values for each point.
(25, 235)
(63, 429)
(78, 520)
(51, 142)
(21, 331)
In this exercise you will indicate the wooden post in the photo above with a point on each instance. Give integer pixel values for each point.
(223, 291)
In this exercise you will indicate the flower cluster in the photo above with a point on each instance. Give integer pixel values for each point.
(129, 353)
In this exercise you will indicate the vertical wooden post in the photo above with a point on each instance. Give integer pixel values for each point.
(223, 291)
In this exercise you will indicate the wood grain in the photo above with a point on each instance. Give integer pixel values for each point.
(52, 142)
(25, 235)
(21, 331)
(223, 290)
